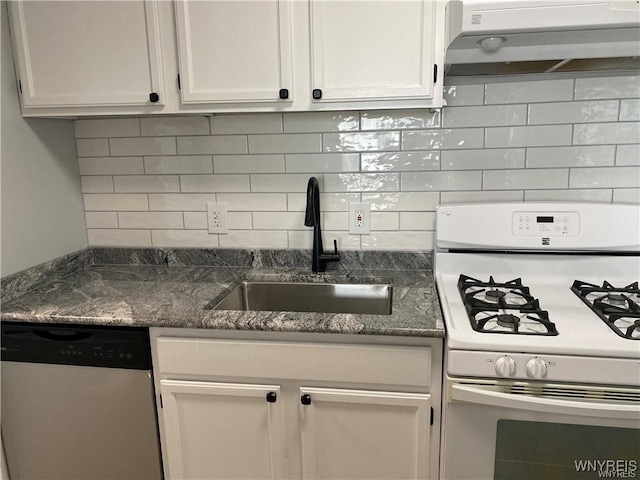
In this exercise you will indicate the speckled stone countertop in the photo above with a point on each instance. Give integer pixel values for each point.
(181, 296)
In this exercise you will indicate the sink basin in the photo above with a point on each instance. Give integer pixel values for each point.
(309, 297)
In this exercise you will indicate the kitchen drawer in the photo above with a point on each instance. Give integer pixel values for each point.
(366, 364)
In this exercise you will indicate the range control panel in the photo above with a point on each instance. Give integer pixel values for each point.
(548, 224)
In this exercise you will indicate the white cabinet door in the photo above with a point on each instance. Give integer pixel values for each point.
(364, 434)
(373, 49)
(222, 431)
(234, 50)
(81, 54)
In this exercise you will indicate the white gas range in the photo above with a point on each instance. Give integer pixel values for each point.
(542, 309)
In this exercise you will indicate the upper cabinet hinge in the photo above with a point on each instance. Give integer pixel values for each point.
(20, 86)
(432, 414)
(162, 406)
(179, 84)
(435, 73)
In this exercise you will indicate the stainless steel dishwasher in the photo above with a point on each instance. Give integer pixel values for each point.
(78, 403)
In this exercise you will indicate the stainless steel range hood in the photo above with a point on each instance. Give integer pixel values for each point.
(501, 32)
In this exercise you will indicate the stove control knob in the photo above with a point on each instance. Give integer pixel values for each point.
(505, 366)
(536, 368)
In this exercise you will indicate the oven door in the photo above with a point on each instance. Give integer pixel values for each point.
(527, 430)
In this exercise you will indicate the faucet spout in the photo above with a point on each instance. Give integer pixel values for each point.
(312, 219)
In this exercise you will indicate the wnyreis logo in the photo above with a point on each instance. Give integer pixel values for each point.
(609, 468)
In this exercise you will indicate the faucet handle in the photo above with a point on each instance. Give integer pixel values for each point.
(335, 246)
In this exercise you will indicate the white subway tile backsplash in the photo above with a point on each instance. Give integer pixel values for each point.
(535, 136)
(443, 139)
(146, 183)
(630, 110)
(360, 141)
(599, 195)
(482, 196)
(405, 201)
(254, 202)
(529, 92)
(101, 219)
(286, 182)
(180, 201)
(626, 195)
(123, 147)
(248, 163)
(573, 112)
(605, 177)
(111, 166)
(286, 143)
(96, 184)
(254, 239)
(534, 179)
(214, 183)
(399, 119)
(361, 182)
(92, 147)
(606, 133)
(99, 128)
(329, 202)
(309, 122)
(487, 159)
(246, 123)
(418, 221)
(279, 221)
(628, 155)
(150, 220)
(441, 181)
(118, 238)
(591, 156)
(166, 126)
(484, 116)
(400, 161)
(178, 164)
(115, 202)
(607, 87)
(464, 94)
(216, 145)
(322, 162)
(184, 238)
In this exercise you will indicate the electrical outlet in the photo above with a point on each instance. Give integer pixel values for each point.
(359, 218)
(217, 217)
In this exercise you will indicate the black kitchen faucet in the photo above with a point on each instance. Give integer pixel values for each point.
(312, 219)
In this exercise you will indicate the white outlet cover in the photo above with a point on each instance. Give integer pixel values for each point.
(356, 210)
(217, 217)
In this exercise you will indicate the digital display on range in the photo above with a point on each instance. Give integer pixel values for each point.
(545, 219)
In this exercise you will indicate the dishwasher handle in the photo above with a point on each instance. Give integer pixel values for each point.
(62, 335)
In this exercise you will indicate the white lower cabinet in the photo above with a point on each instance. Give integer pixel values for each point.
(237, 409)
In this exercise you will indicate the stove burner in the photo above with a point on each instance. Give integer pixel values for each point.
(508, 320)
(494, 296)
(508, 307)
(617, 307)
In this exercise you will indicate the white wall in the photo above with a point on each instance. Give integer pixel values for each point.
(41, 201)
(146, 181)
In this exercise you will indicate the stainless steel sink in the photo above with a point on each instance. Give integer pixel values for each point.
(309, 297)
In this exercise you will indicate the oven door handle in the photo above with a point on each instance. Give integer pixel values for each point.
(478, 395)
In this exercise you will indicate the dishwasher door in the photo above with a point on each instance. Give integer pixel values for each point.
(78, 422)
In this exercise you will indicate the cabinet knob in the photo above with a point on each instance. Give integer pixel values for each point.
(316, 94)
(305, 399)
(283, 94)
(272, 397)
(154, 97)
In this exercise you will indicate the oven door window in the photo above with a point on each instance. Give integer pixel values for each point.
(536, 450)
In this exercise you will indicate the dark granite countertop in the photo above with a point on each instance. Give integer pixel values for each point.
(177, 296)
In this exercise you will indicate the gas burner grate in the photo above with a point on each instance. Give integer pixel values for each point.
(618, 307)
(506, 308)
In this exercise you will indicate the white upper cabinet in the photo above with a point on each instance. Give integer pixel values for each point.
(234, 51)
(72, 55)
(373, 50)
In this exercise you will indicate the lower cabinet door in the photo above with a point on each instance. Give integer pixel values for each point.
(364, 434)
(222, 431)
